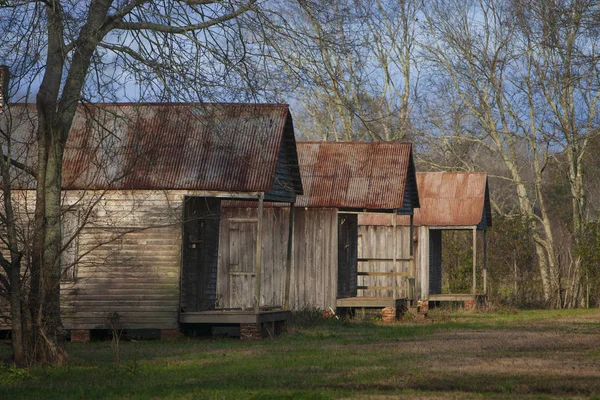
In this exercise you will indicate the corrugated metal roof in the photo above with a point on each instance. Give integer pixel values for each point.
(447, 199)
(221, 147)
(353, 175)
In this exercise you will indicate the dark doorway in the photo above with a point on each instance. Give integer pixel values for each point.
(435, 261)
(347, 255)
(200, 253)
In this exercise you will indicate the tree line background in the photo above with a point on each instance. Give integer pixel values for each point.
(509, 87)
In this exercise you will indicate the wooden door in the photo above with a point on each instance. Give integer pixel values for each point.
(242, 261)
(200, 253)
(347, 255)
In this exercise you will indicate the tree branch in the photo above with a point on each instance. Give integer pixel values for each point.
(21, 166)
(139, 26)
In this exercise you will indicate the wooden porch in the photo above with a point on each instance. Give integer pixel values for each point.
(456, 297)
(235, 316)
(371, 302)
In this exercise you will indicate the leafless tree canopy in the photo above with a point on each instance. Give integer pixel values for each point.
(506, 86)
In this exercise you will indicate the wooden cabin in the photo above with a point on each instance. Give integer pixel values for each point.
(341, 181)
(449, 201)
(142, 189)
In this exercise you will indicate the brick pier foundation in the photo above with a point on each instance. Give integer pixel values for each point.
(470, 305)
(250, 332)
(389, 314)
(80, 335)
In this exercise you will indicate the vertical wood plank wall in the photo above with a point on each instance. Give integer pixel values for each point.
(314, 269)
(422, 262)
(377, 242)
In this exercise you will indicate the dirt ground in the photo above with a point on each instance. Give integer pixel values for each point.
(551, 357)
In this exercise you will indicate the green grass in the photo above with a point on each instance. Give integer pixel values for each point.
(524, 354)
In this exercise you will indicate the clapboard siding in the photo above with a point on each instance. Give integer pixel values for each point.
(128, 257)
(314, 271)
(135, 271)
(377, 242)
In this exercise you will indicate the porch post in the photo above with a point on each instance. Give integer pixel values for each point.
(412, 265)
(290, 256)
(258, 265)
(485, 262)
(474, 260)
(394, 249)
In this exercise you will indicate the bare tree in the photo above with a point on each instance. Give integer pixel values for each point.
(473, 43)
(354, 64)
(89, 51)
(522, 77)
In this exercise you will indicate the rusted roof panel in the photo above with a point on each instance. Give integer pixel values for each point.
(447, 199)
(221, 147)
(353, 175)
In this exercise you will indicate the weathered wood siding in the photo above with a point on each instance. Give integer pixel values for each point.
(314, 273)
(287, 172)
(422, 262)
(128, 256)
(129, 262)
(314, 270)
(377, 242)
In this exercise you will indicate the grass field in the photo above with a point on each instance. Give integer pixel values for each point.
(526, 354)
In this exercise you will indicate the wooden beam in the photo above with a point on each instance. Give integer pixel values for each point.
(290, 255)
(241, 273)
(453, 228)
(388, 274)
(452, 297)
(474, 261)
(382, 259)
(375, 287)
(394, 248)
(412, 233)
(258, 265)
(233, 317)
(249, 220)
(376, 302)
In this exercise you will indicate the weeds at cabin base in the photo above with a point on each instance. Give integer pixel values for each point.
(502, 354)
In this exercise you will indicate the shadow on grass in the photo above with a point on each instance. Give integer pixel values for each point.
(329, 359)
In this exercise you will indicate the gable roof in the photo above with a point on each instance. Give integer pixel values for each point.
(352, 175)
(221, 147)
(447, 199)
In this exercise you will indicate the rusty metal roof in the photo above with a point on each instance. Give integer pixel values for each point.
(354, 175)
(221, 147)
(447, 199)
